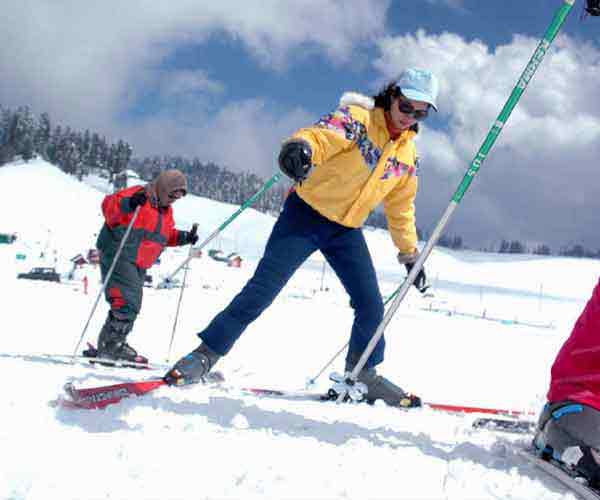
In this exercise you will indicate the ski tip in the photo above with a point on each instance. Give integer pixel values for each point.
(62, 402)
(72, 394)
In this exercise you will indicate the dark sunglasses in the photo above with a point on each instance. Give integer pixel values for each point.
(175, 195)
(407, 108)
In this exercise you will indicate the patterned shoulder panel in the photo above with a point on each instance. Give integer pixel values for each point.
(341, 121)
(395, 168)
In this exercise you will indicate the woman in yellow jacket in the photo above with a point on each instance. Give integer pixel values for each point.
(345, 165)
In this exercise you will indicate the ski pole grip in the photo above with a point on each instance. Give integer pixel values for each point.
(194, 230)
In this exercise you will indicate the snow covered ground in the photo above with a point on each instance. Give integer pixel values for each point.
(487, 338)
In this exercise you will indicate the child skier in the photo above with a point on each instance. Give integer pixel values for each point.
(152, 231)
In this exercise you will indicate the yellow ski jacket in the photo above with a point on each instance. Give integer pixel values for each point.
(357, 166)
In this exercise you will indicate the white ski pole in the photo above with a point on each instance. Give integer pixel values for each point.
(185, 272)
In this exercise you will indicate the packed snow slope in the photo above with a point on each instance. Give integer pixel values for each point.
(486, 338)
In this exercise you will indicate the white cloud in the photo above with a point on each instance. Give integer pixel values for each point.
(242, 136)
(178, 83)
(436, 149)
(544, 161)
(85, 62)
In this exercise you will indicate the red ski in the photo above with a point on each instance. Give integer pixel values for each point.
(101, 397)
(94, 398)
(475, 409)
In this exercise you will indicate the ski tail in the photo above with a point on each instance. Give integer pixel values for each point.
(496, 419)
(101, 397)
(475, 409)
(505, 425)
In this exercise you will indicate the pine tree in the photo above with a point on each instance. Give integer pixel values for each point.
(24, 133)
(95, 151)
(53, 148)
(457, 242)
(516, 247)
(103, 155)
(112, 164)
(123, 155)
(6, 136)
(542, 250)
(42, 135)
(86, 148)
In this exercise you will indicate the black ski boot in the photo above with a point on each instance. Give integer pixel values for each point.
(112, 341)
(589, 467)
(379, 387)
(193, 367)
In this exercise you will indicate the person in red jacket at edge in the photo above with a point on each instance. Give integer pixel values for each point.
(153, 230)
(569, 426)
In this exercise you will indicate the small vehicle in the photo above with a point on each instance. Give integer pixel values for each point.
(41, 273)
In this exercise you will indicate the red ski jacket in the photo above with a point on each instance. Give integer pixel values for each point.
(152, 231)
(576, 370)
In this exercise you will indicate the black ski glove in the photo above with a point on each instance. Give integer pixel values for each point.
(295, 160)
(409, 259)
(138, 199)
(190, 237)
(593, 7)
(420, 282)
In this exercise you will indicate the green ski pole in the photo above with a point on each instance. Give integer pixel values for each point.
(273, 180)
(523, 82)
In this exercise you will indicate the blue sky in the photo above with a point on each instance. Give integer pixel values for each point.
(228, 81)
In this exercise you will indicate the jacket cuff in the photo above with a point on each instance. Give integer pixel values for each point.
(408, 258)
(182, 237)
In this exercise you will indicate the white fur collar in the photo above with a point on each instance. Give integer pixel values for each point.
(357, 99)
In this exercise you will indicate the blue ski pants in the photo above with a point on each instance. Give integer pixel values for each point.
(299, 231)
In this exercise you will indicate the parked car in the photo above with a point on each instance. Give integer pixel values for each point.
(41, 273)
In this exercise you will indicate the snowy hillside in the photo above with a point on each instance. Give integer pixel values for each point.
(487, 338)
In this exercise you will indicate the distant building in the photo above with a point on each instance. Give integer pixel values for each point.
(8, 238)
(235, 261)
(196, 253)
(127, 178)
(93, 256)
(78, 260)
(232, 260)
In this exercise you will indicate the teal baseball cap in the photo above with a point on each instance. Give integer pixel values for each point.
(419, 85)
